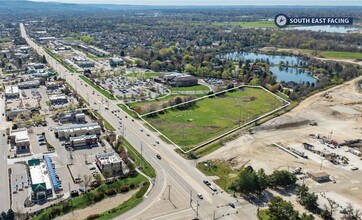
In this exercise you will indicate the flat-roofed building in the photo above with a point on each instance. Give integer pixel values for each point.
(20, 138)
(58, 99)
(319, 176)
(29, 84)
(41, 186)
(12, 92)
(72, 117)
(54, 85)
(78, 130)
(84, 140)
(110, 163)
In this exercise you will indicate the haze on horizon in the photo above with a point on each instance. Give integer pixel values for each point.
(216, 2)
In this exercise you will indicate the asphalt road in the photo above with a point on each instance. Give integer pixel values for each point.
(171, 167)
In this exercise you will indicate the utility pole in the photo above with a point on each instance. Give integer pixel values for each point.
(190, 198)
(169, 192)
(141, 155)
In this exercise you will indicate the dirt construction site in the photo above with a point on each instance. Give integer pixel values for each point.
(322, 134)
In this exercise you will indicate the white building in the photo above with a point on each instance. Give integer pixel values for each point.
(41, 184)
(20, 138)
(12, 92)
(58, 99)
(109, 162)
(78, 130)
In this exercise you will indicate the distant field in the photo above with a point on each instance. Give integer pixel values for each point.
(190, 88)
(251, 24)
(5, 39)
(211, 117)
(341, 55)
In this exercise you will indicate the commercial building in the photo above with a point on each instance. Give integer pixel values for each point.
(41, 187)
(11, 114)
(319, 176)
(29, 84)
(12, 92)
(84, 140)
(77, 130)
(182, 81)
(72, 117)
(54, 85)
(110, 163)
(20, 139)
(58, 99)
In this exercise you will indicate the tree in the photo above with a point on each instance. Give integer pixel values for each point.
(3, 215)
(329, 209)
(86, 181)
(305, 216)
(10, 215)
(280, 209)
(351, 214)
(282, 178)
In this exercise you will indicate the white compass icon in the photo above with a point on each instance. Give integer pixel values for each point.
(281, 20)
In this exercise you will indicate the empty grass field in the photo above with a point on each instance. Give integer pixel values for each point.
(190, 88)
(341, 55)
(248, 24)
(214, 116)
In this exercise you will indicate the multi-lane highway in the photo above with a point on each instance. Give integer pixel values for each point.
(171, 169)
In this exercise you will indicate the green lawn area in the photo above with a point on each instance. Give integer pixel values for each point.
(99, 89)
(146, 75)
(124, 108)
(248, 24)
(190, 88)
(220, 169)
(85, 200)
(263, 215)
(341, 55)
(5, 39)
(147, 168)
(159, 101)
(211, 117)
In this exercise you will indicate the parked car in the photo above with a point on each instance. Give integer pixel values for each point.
(158, 156)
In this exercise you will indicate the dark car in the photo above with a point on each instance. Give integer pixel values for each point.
(207, 183)
(232, 205)
(158, 156)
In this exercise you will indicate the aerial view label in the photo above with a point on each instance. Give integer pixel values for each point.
(198, 110)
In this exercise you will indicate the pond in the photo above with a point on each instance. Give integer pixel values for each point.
(296, 75)
(327, 28)
(273, 59)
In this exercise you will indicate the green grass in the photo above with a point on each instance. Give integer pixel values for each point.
(86, 200)
(5, 39)
(190, 88)
(99, 89)
(159, 101)
(341, 55)
(248, 24)
(124, 108)
(263, 214)
(146, 75)
(213, 116)
(209, 149)
(220, 169)
(147, 168)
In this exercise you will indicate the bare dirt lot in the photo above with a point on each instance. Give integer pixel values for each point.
(338, 112)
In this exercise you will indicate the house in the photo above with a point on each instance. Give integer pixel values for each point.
(41, 186)
(116, 61)
(12, 92)
(29, 84)
(58, 99)
(319, 176)
(110, 163)
(77, 130)
(84, 140)
(72, 117)
(20, 138)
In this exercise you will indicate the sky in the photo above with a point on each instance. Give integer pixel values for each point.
(217, 2)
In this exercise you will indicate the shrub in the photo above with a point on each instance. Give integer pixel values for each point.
(55, 211)
(94, 216)
(131, 186)
(98, 197)
(124, 188)
(143, 190)
(111, 192)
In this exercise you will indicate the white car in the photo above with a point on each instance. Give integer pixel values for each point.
(200, 196)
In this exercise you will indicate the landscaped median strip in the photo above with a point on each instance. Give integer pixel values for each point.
(99, 89)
